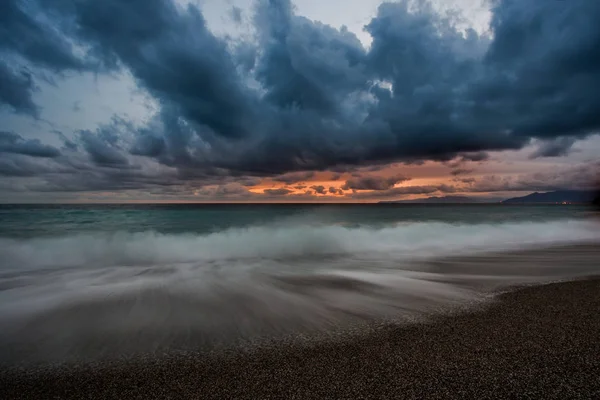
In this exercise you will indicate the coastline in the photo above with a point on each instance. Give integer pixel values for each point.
(539, 341)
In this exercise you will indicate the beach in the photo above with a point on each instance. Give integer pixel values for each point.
(535, 342)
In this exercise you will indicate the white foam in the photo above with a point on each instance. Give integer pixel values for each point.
(402, 242)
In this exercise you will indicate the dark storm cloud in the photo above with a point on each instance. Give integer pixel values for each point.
(545, 55)
(26, 32)
(294, 177)
(554, 148)
(375, 168)
(444, 101)
(11, 166)
(148, 145)
(317, 99)
(106, 146)
(16, 88)
(102, 152)
(306, 64)
(341, 169)
(374, 182)
(12, 143)
(174, 56)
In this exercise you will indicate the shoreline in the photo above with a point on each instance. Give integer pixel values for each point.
(537, 341)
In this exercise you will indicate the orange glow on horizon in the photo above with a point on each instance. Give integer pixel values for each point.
(428, 174)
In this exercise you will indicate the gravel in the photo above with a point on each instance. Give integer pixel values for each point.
(536, 342)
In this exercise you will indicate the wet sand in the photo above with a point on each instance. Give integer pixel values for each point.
(536, 342)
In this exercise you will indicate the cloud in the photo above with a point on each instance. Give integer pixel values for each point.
(468, 181)
(18, 166)
(277, 192)
(404, 191)
(236, 14)
(581, 176)
(294, 177)
(248, 181)
(107, 145)
(460, 171)
(304, 96)
(543, 56)
(458, 162)
(174, 56)
(477, 157)
(13, 143)
(306, 64)
(148, 145)
(16, 90)
(374, 182)
(30, 35)
(320, 189)
(27, 36)
(229, 191)
(554, 148)
(102, 152)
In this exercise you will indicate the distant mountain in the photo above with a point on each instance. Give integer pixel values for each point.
(558, 196)
(439, 200)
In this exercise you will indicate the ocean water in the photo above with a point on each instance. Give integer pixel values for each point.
(84, 282)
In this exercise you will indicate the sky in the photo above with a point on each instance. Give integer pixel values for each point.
(296, 101)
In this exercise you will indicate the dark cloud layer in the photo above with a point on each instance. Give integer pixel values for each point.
(307, 96)
(16, 89)
(277, 192)
(13, 143)
(294, 177)
(27, 33)
(374, 182)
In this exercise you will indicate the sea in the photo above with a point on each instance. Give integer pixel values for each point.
(82, 283)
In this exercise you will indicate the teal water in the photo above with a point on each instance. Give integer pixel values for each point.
(22, 221)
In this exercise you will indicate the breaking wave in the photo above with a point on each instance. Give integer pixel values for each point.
(87, 296)
(407, 241)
